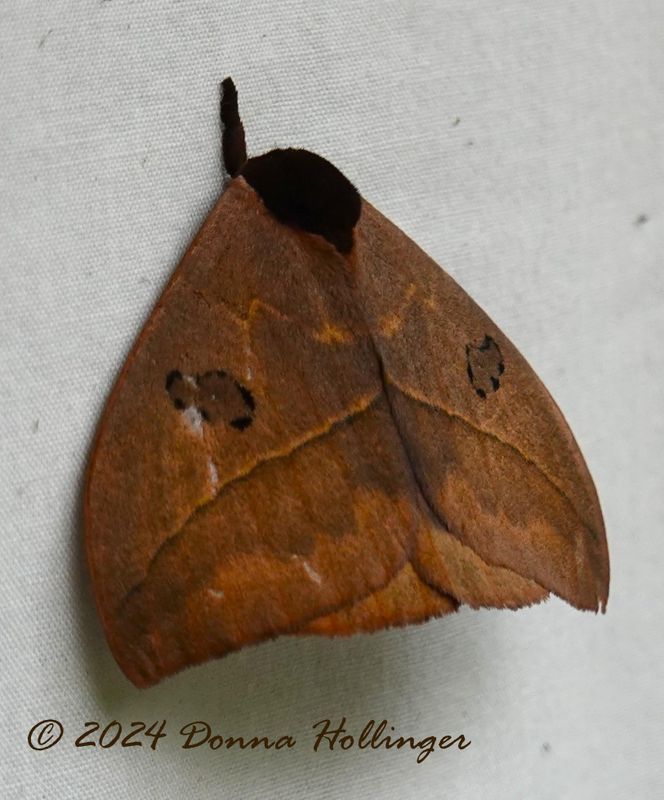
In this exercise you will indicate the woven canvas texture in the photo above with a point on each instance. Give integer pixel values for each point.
(521, 144)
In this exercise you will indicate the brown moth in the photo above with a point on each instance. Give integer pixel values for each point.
(319, 432)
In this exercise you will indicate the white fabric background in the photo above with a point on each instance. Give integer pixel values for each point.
(109, 161)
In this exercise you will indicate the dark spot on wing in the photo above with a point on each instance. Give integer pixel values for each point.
(247, 395)
(241, 422)
(172, 377)
(216, 395)
(484, 365)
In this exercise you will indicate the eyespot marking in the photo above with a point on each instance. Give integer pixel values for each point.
(484, 365)
(214, 397)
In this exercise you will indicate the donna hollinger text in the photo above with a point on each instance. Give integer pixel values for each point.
(327, 736)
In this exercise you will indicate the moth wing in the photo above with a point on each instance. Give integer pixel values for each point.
(246, 478)
(514, 512)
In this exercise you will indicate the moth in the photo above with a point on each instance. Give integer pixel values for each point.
(319, 432)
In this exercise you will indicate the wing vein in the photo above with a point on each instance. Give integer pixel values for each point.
(278, 454)
(453, 415)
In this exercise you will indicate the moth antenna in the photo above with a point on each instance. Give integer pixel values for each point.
(232, 131)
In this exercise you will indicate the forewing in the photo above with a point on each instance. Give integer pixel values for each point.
(246, 477)
(496, 464)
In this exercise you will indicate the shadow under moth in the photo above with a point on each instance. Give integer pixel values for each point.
(319, 432)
